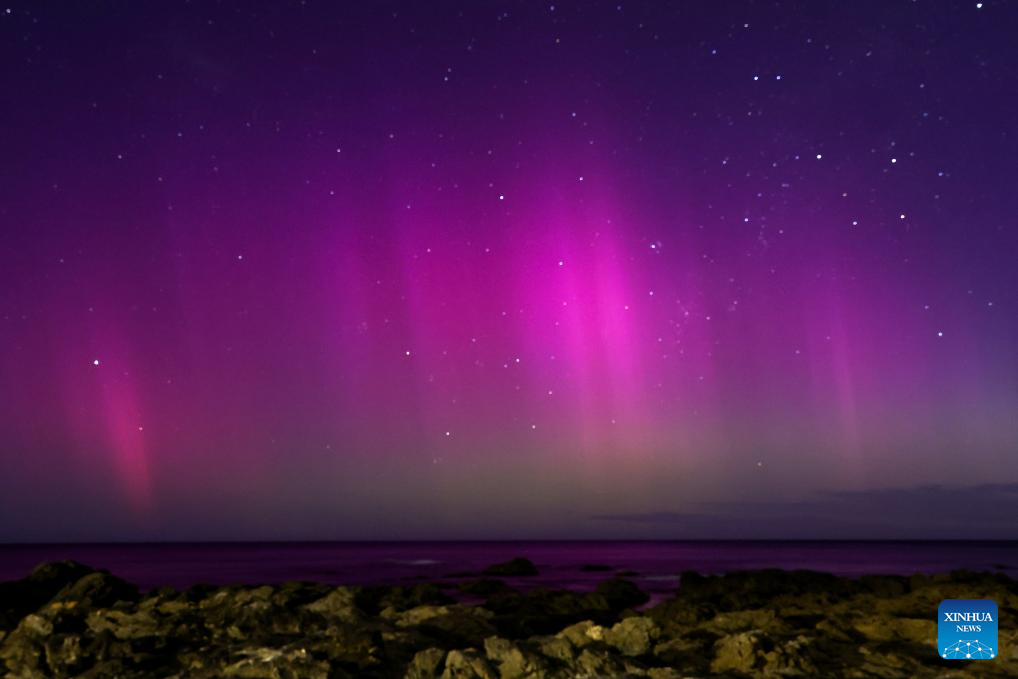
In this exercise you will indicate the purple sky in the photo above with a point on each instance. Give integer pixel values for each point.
(483, 270)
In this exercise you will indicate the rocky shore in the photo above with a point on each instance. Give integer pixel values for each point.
(68, 620)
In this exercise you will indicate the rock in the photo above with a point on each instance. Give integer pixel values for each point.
(468, 664)
(792, 658)
(276, 663)
(518, 567)
(416, 616)
(741, 590)
(425, 664)
(621, 594)
(64, 654)
(741, 621)
(513, 661)
(123, 625)
(22, 650)
(18, 598)
(633, 636)
(541, 611)
(374, 599)
(891, 629)
(664, 673)
(339, 604)
(596, 661)
(461, 626)
(96, 626)
(739, 653)
(582, 633)
(555, 647)
(690, 653)
(95, 590)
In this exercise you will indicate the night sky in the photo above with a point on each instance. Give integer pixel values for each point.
(515, 269)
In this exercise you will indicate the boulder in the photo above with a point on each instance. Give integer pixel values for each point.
(339, 604)
(633, 636)
(95, 590)
(742, 652)
(514, 661)
(18, 598)
(468, 664)
(426, 664)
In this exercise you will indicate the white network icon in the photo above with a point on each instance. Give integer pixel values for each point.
(967, 649)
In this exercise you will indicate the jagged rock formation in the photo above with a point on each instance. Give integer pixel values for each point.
(67, 620)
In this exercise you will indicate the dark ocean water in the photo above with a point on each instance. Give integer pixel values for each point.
(656, 564)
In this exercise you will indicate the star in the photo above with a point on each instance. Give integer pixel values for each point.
(95, 362)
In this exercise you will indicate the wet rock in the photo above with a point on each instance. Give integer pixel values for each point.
(518, 567)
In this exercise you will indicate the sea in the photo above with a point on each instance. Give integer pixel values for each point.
(576, 565)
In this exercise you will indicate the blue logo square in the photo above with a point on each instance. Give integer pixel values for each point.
(967, 629)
